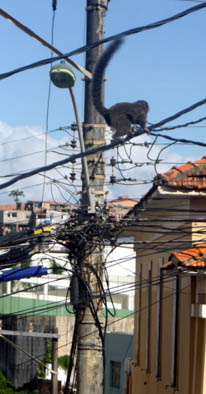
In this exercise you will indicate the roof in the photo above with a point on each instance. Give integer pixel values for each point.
(121, 206)
(11, 207)
(123, 201)
(194, 257)
(191, 175)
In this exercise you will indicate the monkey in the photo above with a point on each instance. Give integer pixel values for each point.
(120, 116)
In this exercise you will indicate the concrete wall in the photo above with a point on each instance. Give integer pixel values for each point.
(17, 366)
(118, 347)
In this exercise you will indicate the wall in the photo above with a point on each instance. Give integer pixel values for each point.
(118, 347)
(120, 264)
(155, 368)
(15, 364)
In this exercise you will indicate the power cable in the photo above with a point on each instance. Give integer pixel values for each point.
(113, 37)
(54, 4)
(111, 146)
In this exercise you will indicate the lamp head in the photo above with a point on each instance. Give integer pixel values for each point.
(62, 76)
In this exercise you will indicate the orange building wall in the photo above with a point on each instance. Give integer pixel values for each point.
(145, 382)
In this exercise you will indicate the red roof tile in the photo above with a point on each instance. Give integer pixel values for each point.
(193, 257)
(191, 175)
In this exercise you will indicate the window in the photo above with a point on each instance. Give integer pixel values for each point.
(148, 316)
(41, 216)
(175, 332)
(115, 374)
(138, 314)
(159, 318)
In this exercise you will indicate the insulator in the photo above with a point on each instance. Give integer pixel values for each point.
(54, 5)
(113, 161)
(73, 144)
(73, 176)
(74, 126)
(112, 179)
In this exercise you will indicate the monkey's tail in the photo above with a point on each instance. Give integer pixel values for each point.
(98, 75)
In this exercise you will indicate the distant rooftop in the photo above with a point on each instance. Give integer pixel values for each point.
(191, 175)
(120, 206)
(21, 206)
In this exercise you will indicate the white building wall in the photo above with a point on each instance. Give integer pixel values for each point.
(120, 264)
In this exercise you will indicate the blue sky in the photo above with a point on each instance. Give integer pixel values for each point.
(165, 66)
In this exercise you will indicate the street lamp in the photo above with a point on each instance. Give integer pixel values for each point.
(63, 77)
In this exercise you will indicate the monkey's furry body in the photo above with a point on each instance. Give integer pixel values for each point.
(120, 116)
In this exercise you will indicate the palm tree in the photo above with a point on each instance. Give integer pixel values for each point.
(16, 194)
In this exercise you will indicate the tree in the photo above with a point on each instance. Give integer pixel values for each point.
(16, 194)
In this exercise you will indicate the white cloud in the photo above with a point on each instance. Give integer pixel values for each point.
(19, 149)
(144, 173)
(22, 149)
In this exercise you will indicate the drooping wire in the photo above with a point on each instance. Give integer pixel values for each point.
(54, 3)
(158, 156)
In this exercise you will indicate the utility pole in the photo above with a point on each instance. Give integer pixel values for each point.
(94, 125)
(90, 368)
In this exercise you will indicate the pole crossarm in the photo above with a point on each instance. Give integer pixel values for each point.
(26, 353)
(30, 334)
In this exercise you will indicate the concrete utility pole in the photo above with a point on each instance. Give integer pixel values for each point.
(94, 125)
(89, 353)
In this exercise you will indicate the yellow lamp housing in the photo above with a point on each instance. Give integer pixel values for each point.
(62, 76)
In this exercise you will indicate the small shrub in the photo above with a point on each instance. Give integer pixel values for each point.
(63, 362)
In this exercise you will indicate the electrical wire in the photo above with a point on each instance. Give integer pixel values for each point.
(48, 99)
(110, 146)
(113, 37)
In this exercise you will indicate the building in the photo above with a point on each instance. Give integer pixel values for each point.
(170, 298)
(120, 261)
(116, 358)
(45, 297)
(17, 217)
(121, 205)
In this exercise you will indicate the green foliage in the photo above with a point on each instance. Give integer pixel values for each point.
(41, 372)
(16, 194)
(63, 362)
(48, 356)
(47, 359)
(7, 387)
(56, 268)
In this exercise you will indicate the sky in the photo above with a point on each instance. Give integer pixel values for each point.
(164, 66)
